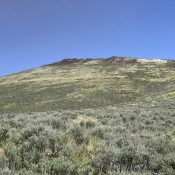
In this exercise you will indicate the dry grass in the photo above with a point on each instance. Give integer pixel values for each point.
(84, 119)
(95, 82)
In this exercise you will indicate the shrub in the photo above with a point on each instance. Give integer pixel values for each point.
(82, 123)
(54, 145)
(56, 123)
(79, 136)
(3, 134)
(27, 133)
(103, 160)
(90, 124)
(57, 166)
(131, 159)
(98, 132)
(39, 143)
(104, 121)
(122, 142)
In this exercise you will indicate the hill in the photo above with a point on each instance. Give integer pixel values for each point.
(88, 83)
(111, 116)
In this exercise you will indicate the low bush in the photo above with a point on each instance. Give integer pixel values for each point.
(3, 134)
(57, 166)
(78, 135)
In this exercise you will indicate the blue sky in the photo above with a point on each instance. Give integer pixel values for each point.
(37, 32)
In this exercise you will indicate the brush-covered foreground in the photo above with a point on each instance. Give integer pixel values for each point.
(89, 117)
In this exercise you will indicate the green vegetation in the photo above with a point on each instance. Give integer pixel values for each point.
(91, 117)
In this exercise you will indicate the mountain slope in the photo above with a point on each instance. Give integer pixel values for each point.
(112, 116)
(88, 83)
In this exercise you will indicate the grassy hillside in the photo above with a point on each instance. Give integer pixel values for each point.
(77, 84)
(111, 116)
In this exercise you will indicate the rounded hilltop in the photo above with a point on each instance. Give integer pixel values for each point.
(113, 59)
